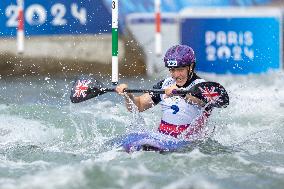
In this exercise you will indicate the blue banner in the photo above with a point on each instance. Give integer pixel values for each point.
(47, 17)
(130, 6)
(147, 6)
(235, 45)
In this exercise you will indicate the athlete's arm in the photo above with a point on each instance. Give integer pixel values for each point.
(142, 102)
(193, 100)
(188, 98)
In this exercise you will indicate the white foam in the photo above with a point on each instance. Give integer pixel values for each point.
(254, 112)
(278, 170)
(3, 107)
(15, 165)
(14, 129)
(191, 183)
(55, 178)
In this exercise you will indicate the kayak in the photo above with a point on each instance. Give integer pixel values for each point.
(149, 142)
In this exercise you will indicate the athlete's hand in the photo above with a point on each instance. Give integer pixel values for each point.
(193, 100)
(169, 91)
(120, 89)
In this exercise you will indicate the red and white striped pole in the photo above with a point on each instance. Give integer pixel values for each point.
(158, 36)
(20, 30)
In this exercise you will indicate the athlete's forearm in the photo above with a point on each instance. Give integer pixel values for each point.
(193, 100)
(129, 100)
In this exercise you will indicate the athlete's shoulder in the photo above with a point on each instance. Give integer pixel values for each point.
(195, 76)
(168, 82)
(197, 79)
(165, 82)
(158, 85)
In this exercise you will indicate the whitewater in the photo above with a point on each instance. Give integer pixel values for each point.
(47, 142)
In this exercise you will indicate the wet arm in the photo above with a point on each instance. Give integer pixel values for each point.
(193, 100)
(143, 102)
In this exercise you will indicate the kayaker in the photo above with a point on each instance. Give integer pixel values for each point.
(183, 115)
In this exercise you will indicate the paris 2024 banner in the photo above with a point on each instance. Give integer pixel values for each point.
(48, 17)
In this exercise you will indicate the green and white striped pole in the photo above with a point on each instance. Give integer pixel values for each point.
(114, 42)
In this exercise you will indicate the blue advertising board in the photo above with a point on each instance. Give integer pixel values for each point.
(127, 7)
(47, 17)
(237, 45)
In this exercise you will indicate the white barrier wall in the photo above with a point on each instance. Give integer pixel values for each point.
(142, 26)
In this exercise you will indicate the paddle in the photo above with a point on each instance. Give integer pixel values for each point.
(86, 88)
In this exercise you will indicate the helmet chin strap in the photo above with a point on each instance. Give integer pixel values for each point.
(190, 73)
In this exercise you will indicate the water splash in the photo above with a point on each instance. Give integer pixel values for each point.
(137, 122)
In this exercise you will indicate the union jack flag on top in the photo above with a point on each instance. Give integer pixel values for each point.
(81, 88)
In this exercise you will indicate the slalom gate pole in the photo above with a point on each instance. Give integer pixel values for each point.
(20, 29)
(114, 42)
(158, 36)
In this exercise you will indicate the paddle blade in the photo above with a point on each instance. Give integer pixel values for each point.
(85, 88)
(212, 93)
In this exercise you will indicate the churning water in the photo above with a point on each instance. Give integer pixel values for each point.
(46, 142)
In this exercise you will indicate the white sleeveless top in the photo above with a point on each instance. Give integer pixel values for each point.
(175, 109)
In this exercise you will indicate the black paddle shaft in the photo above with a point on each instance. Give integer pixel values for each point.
(209, 92)
(151, 91)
